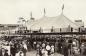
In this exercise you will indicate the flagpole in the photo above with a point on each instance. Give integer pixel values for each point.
(30, 14)
(44, 12)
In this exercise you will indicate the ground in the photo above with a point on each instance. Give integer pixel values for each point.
(33, 53)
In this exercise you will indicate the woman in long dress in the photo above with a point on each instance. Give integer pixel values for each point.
(44, 52)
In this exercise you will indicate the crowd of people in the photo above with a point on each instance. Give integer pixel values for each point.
(13, 48)
(43, 47)
(20, 47)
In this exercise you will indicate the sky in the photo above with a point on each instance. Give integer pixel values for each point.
(11, 10)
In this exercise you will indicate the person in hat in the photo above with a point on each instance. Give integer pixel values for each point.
(13, 50)
(3, 52)
(48, 48)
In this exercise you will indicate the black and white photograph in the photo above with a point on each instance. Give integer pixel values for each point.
(42, 27)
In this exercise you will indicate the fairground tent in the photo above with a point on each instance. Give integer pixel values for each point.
(47, 23)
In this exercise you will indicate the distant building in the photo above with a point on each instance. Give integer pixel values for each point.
(80, 23)
(6, 28)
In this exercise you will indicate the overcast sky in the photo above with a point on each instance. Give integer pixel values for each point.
(11, 10)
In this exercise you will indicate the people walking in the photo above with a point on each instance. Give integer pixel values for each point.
(24, 49)
(48, 48)
(13, 50)
(52, 50)
(65, 49)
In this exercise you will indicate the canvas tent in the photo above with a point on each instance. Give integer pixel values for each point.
(47, 23)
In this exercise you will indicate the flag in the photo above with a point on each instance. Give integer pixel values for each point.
(62, 7)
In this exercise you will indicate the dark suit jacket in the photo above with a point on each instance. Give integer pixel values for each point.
(0, 52)
(6, 54)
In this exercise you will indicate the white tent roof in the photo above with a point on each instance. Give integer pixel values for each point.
(60, 21)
